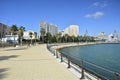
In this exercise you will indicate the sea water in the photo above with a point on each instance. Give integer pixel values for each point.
(106, 56)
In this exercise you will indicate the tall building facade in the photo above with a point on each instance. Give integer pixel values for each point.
(4, 30)
(53, 29)
(72, 30)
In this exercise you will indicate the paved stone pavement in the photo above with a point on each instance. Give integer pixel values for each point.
(34, 63)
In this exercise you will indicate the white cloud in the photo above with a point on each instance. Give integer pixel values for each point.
(98, 14)
(95, 15)
(88, 16)
(96, 4)
(100, 4)
(104, 5)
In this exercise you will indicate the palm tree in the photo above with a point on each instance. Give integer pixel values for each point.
(73, 38)
(80, 38)
(35, 34)
(58, 36)
(54, 39)
(21, 30)
(14, 30)
(63, 39)
(66, 37)
(30, 34)
(77, 39)
(42, 31)
(48, 37)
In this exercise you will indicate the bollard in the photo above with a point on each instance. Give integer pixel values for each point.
(68, 63)
(61, 58)
(116, 75)
(56, 54)
(82, 75)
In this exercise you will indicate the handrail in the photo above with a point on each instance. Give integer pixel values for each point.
(82, 62)
(89, 63)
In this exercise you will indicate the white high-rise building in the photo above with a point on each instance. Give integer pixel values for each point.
(44, 25)
(72, 30)
(53, 29)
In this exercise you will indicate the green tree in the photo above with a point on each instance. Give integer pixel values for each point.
(42, 31)
(14, 30)
(48, 37)
(58, 36)
(80, 38)
(30, 34)
(21, 30)
(70, 39)
(77, 39)
(73, 38)
(92, 39)
(84, 38)
(63, 39)
(66, 37)
(54, 39)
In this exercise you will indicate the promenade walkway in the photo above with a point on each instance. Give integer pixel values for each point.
(34, 63)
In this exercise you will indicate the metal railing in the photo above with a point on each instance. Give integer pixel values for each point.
(98, 72)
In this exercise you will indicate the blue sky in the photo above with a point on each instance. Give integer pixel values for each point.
(95, 16)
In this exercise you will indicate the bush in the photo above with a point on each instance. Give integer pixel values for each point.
(5, 45)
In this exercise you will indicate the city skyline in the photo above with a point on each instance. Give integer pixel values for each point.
(92, 15)
(52, 28)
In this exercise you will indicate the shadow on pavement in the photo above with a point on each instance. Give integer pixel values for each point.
(7, 57)
(15, 49)
(3, 73)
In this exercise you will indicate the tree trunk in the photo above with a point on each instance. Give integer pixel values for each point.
(35, 41)
(14, 40)
(21, 41)
(31, 41)
(43, 39)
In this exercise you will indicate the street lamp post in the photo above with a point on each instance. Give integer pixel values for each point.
(2, 34)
